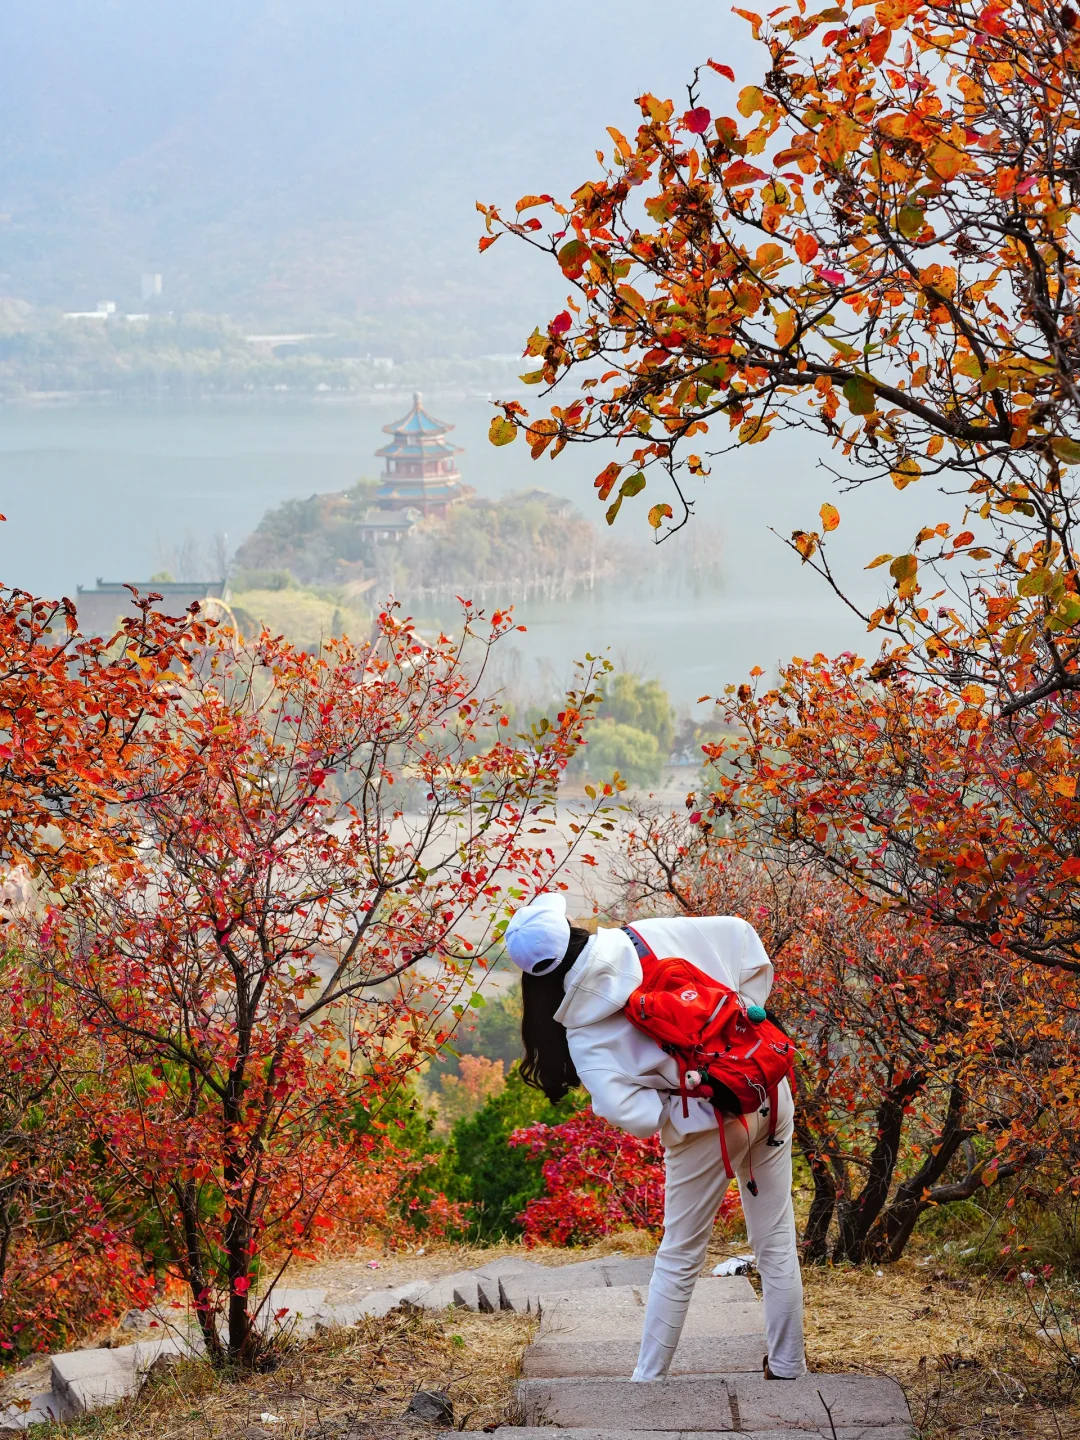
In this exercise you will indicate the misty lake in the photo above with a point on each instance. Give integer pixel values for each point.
(102, 490)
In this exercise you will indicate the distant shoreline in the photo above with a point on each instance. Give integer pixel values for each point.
(268, 399)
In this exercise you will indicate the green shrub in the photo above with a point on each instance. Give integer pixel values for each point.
(482, 1168)
(404, 1119)
(642, 704)
(634, 753)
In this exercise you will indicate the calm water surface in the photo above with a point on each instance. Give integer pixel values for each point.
(107, 491)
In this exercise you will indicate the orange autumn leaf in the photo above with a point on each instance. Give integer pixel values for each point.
(741, 173)
(806, 247)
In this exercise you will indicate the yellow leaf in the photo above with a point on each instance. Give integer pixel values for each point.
(767, 254)
(879, 561)
(622, 145)
(785, 328)
(659, 110)
(631, 299)
(540, 435)
(830, 517)
(805, 541)
(906, 471)
(658, 514)
(750, 99)
(1065, 785)
(973, 694)
(501, 432)
(946, 161)
(936, 442)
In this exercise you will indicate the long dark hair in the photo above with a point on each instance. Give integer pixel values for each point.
(547, 1065)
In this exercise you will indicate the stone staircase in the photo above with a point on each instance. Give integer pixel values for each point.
(576, 1372)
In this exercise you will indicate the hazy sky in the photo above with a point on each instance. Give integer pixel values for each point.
(298, 157)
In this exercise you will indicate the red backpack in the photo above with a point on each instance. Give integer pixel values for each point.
(728, 1053)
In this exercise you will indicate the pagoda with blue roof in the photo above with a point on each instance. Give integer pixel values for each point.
(421, 472)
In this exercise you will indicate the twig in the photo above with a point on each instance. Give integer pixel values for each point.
(828, 1412)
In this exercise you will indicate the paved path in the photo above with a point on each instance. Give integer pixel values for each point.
(576, 1372)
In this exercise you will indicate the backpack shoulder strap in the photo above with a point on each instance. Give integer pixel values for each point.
(640, 944)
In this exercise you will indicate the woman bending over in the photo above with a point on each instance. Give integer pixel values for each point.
(575, 1031)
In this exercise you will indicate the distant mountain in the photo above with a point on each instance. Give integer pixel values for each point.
(289, 161)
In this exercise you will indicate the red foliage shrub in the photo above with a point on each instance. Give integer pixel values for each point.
(68, 1261)
(253, 884)
(598, 1180)
(373, 1190)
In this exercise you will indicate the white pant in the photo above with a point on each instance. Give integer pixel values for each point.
(695, 1185)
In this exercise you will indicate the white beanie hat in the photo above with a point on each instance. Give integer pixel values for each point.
(538, 934)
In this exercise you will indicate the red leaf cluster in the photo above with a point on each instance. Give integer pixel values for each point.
(597, 1180)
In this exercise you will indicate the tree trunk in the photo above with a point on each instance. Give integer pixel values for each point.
(237, 1229)
(893, 1228)
(815, 1240)
(198, 1280)
(856, 1217)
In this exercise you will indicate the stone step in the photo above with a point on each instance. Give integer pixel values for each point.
(293, 1309)
(598, 1332)
(712, 1403)
(615, 1358)
(841, 1432)
(86, 1380)
(623, 1306)
(488, 1277)
(43, 1410)
(634, 1270)
(461, 1288)
(525, 1291)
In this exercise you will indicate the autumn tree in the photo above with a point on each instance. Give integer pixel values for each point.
(294, 938)
(930, 1069)
(69, 1257)
(926, 801)
(72, 712)
(875, 241)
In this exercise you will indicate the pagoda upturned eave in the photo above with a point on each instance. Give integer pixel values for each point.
(407, 448)
(418, 422)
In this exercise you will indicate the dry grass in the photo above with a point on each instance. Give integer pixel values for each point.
(355, 1383)
(966, 1349)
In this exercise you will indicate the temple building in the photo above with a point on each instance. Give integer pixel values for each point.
(103, 610)
(421, 472)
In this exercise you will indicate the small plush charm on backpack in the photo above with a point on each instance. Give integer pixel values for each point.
(757, 1013)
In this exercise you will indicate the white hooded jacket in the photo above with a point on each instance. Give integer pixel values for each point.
(631, 1080)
